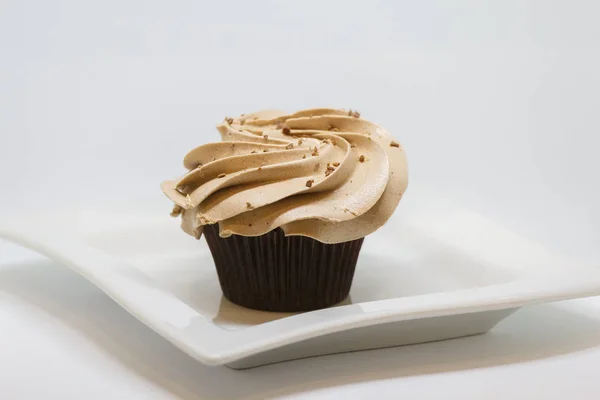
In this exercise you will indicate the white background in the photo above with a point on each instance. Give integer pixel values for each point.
(496, 104)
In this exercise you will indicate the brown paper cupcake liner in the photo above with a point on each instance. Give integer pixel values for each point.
(273, 272)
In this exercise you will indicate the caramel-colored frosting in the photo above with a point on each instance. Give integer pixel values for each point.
(323, 173)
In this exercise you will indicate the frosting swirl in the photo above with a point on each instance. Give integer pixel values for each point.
(323, 173)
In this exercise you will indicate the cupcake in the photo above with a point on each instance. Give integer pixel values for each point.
(286, 200)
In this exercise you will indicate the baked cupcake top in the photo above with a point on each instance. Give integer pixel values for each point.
(323, 173)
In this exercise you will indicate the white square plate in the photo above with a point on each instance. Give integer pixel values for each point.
(436, 275)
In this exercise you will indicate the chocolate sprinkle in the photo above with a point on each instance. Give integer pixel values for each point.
(177, 210)
(361, 158)
(310, 182)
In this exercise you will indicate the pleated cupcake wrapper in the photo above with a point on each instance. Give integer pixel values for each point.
(273, 272)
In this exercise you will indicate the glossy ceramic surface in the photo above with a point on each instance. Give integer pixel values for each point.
(437, 275)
